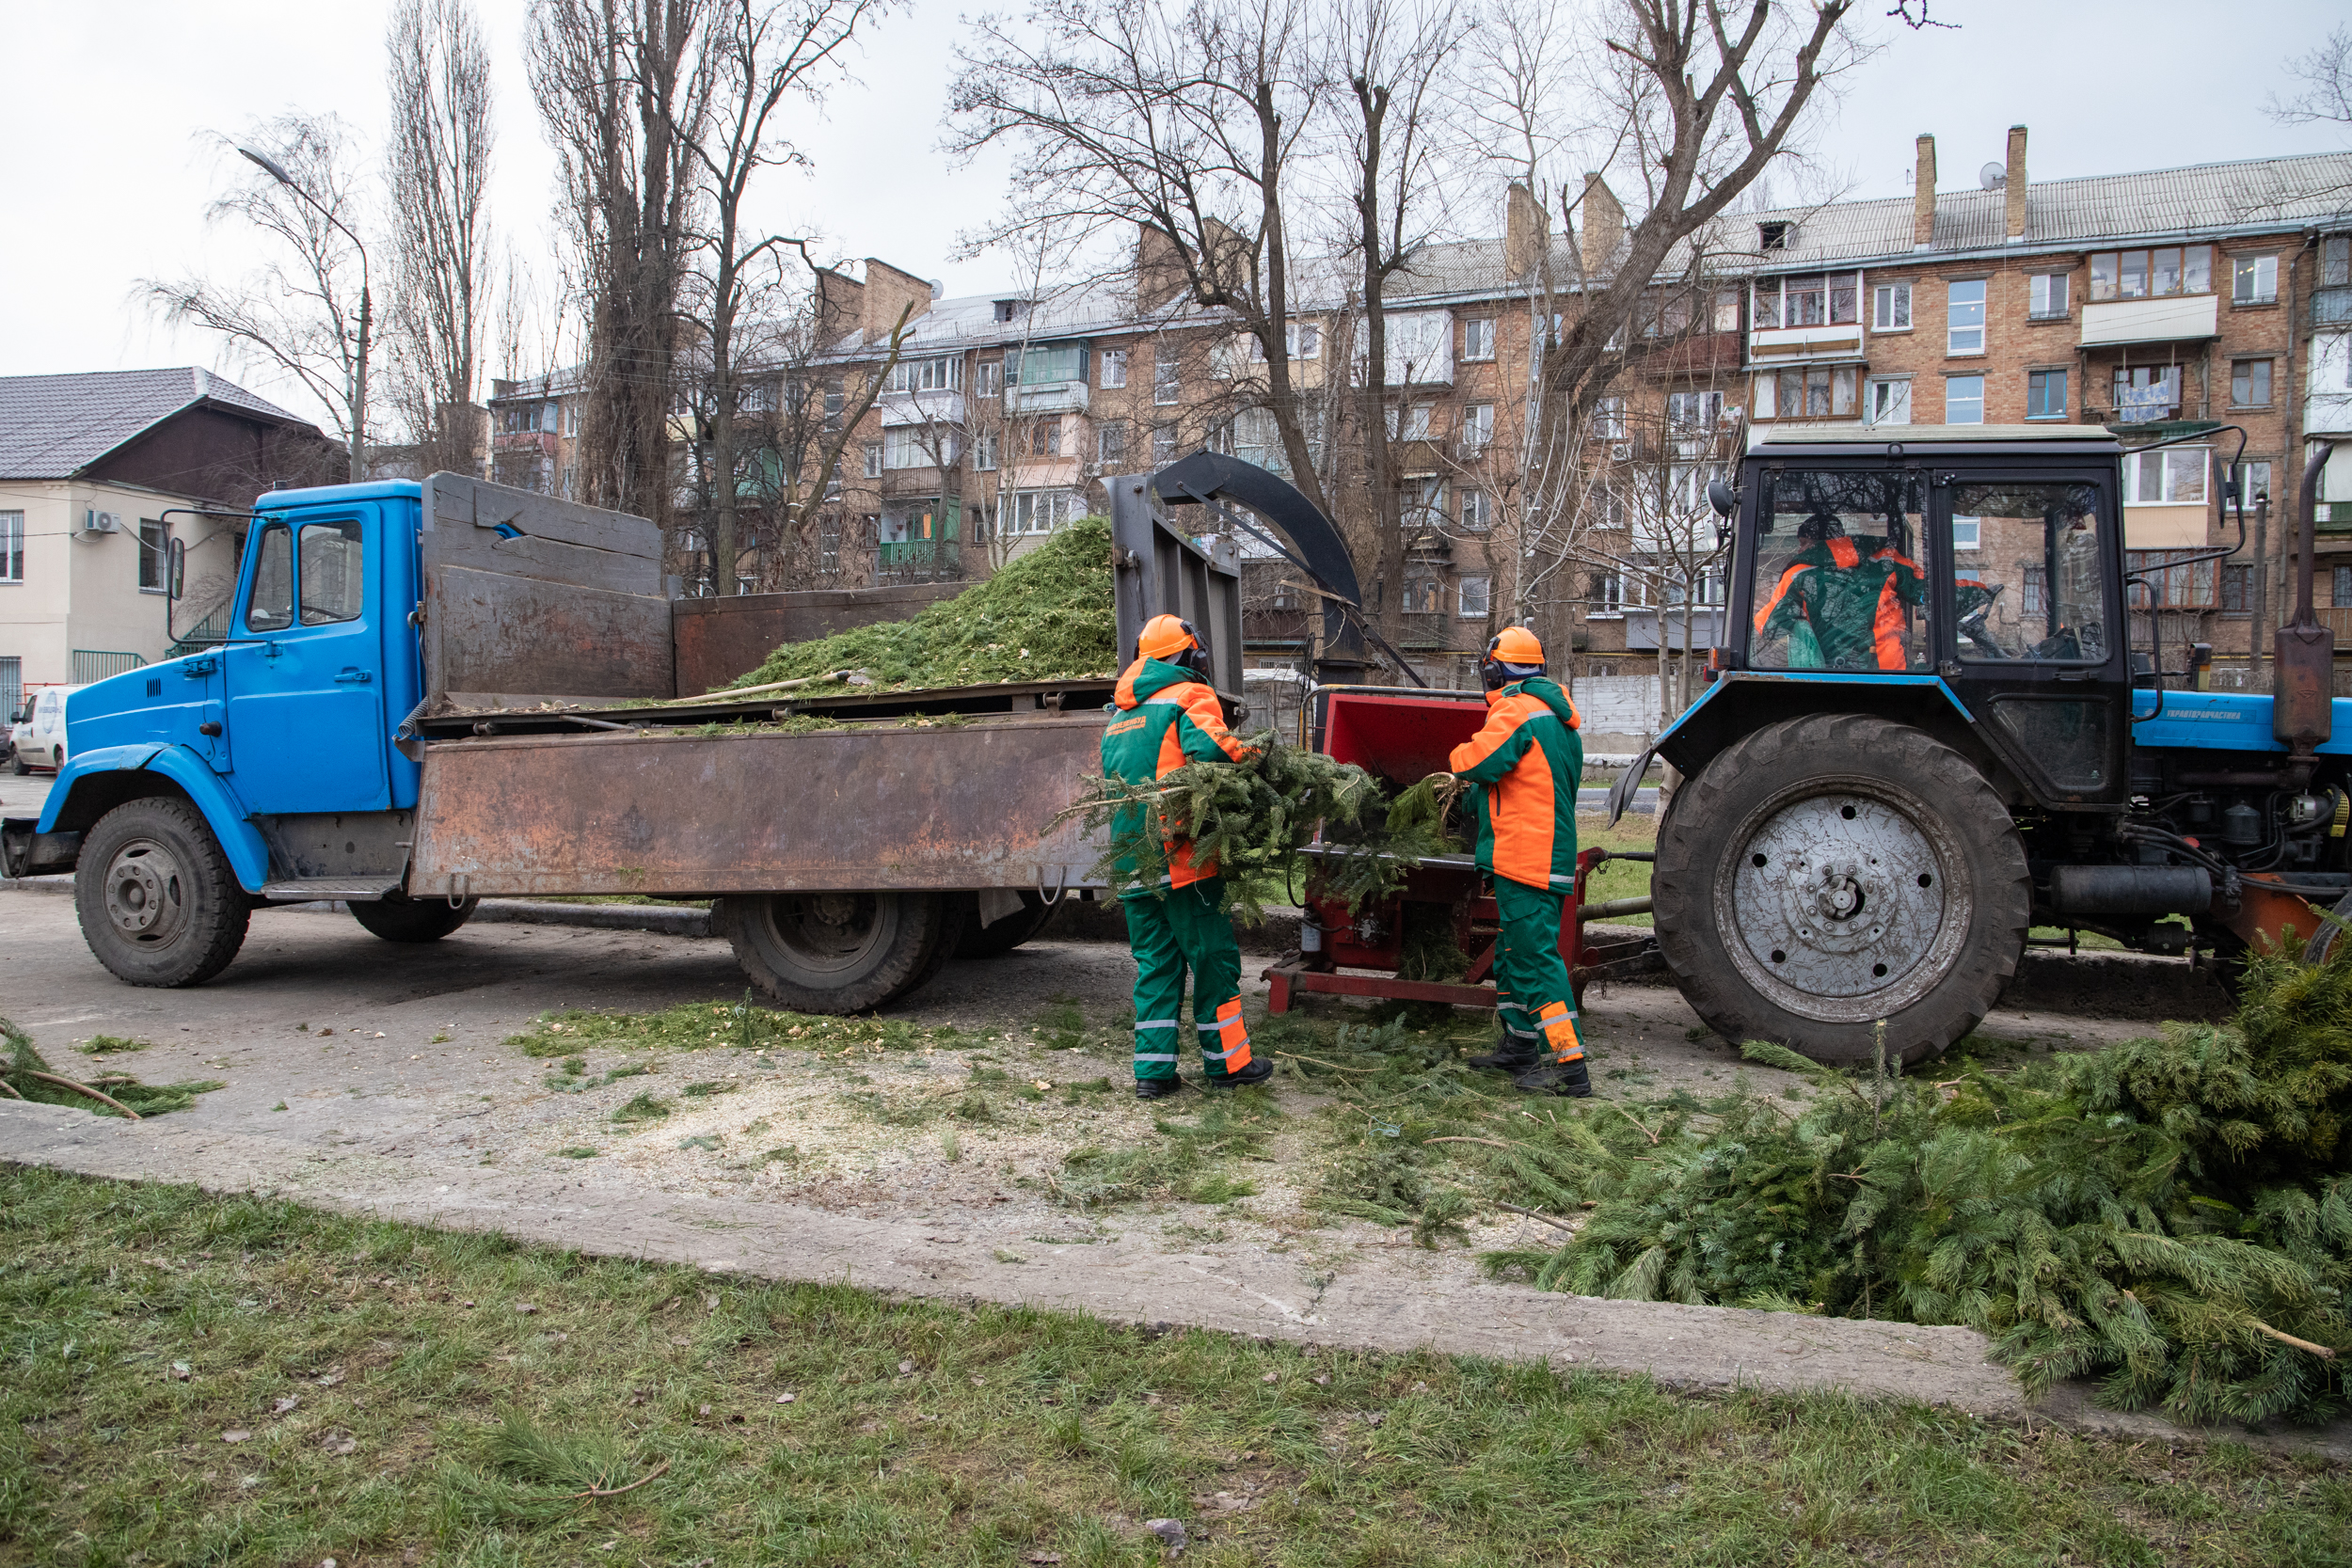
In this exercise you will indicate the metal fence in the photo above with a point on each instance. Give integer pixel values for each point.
(91, 664)
(11, 687)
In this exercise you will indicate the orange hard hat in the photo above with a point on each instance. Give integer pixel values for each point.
(1165, 637)
(1515, 645)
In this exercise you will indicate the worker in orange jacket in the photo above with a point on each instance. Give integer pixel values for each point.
(1528, 761)
(1167, 714)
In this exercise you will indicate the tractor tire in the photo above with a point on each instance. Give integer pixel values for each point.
(399, 919)
(1000, 937)
(839, 952)
(158, 903)
(1830, 872)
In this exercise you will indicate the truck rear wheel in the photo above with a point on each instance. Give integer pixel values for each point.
(157, 900)
(839, 952)
(1830, 872)
(1000, 937)
(399, 919)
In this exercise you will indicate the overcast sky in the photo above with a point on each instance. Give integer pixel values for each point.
(115, 111)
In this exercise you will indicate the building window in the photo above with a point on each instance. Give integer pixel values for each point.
(1690, 411)
(2253, 483)
(833, 403)
(1424, 597)
(1045, 438)
(1967, 533)
(1964, 400)
(758, 398)
(1475, 595)
(2188, 585)
(917, 447)
(2140, 273)
(1163, 443)
(1478, 512)
(2045, 394)
(1964, 308)
(571, 482)
(11, 546)
(1110, 441)
(984, 450)
(1478, 339)
(1410, 423)
(1890, 307)
(2254, 280)
(2033, 593)
(2237, 589)
(940, 374)
(2045, 296)
(1478, 426)
(153, 555)
(571, 420)
(1039, 511)
(1168, 380)
(1304, 340)
(1805, 392)
(1888, 402)
(1114, 367)
(988, 375)
(2147, 392)
(2249, 383)
(1608, 419)
(2343, 587)
(2169, 476)
(873, 459)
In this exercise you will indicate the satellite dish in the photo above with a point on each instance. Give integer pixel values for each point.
(1992, 176)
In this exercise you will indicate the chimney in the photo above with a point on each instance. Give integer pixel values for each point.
(1525, 231)
(1923, 198)
(2016, 187)
(840, 305)
(889, 291)
(1159, 269)
(1604, 225)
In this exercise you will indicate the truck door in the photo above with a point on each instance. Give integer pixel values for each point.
(305, 708)
(2031, 637)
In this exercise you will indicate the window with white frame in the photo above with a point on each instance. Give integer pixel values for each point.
(1687, 411)
(1478, 425)
(2168, 476)
(917, 447)
(873, 459)
(571, 420)
(11, 546)
(1964, 316)
(2045, 296)
(153, 552)
(987, 376)
(1110, 441)
(2140, 273)
(1964, 400)
(2254, 279)
(1425, 500)
(1967, 533)
(1608, 419)
(1163, 443)
(1474, 597)
(1816, 299)
(1411, 423)
(936, 373)
(1039, 511)
(1805, 392)
(760, 397)
(1168, 379)
(1304, 340)
(550, 417)
(1478, 512)
(984, 450)
(2253, 483)
(1890, 307)
(1888, 400)
(1114, 367)
(1478, 339)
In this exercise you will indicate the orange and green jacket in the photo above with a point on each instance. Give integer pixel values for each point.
(1849, 594)
(1167, 717)
(1530, 759)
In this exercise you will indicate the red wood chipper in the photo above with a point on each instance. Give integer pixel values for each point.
(1402, 735)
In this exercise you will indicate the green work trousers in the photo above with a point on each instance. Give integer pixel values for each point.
(1533, 998)
(1186, 928)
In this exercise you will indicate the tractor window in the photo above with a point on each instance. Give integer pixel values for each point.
(2026, 583)
(1838, 583)
(273, 581)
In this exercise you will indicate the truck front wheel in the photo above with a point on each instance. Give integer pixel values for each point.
(1830, 872)
(157, 900)
(398, 919)
(839, 952)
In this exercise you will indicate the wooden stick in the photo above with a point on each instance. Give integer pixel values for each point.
(1320, 1062)
(1490, 1143)
(735, 693)
(11, 1087)
(2320, 1351)
(616, 1491)
(1530, 1213)
(81, 1089)
(1637, 1121)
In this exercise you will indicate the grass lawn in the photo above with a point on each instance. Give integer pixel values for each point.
(197, 1379)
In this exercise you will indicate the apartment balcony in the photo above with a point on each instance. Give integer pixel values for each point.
(919, 561)
(541, 441)
(1047, 397)
(1788, 345)
(1643, 627)
(940, 407)
(902, 482)
(2172, 319)
(2331, 308)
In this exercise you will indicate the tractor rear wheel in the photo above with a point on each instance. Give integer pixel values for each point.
(1831, 872)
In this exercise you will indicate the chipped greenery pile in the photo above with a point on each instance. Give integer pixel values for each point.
(1048, 615)
(28, 1076)
(2172, 1216)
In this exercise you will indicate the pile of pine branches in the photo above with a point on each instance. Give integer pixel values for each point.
(2172, 1216)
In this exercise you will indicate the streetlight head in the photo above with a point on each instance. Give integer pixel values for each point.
(276, 171)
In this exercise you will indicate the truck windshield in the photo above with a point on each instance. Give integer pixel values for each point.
(2025, 577)
(1837, 582)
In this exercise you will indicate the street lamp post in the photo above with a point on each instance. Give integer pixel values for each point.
(359, 369)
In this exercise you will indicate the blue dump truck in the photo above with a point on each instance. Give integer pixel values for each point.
(440, 692)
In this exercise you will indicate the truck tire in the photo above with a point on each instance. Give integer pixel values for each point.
(1829, 872)
(399, 919)
(839, 952)
(18, 765)
(157, 900)
(1000, 937)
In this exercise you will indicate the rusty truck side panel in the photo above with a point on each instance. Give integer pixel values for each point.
(867, 807)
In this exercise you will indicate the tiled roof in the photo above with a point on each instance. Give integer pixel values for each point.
(54, 426)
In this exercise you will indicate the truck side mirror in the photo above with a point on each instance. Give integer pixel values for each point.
(1719, 496)
(176, 568)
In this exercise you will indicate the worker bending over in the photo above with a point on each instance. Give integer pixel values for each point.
(1528, 761)
(1169, 716)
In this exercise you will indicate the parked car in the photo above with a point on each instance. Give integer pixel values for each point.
(38, 736)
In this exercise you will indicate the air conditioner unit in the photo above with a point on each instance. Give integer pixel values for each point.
(95, 521)
(1620, 452)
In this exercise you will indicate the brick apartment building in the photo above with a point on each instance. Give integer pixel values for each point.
(2160, 304)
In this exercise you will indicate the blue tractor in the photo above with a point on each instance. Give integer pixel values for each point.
(1929, 733)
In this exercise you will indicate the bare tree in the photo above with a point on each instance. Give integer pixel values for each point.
(437, 169)
(1182, 127)
(2324, 78)
(300, 312)
(624, 88)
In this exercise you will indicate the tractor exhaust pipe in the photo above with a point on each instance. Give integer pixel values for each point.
(2119, 890)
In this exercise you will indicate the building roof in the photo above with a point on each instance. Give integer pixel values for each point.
(56, 426)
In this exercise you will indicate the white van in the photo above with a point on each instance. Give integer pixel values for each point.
(39, 735)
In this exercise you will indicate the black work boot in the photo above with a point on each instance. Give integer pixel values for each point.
(1159, 1088)
(1512, 1056)
(1568, 1078)
(1256, 1072)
